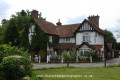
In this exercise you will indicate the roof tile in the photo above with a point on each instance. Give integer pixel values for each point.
(47, 27)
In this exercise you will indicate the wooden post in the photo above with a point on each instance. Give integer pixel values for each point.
(62, 59)
(67, 63)
(105, 62)
(90, 58)
(39, 59)
(104, 53)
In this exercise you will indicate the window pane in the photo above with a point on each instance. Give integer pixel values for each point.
(63, 39)
(86, 37)
(33, 27)
(67, 39)
(50, 38)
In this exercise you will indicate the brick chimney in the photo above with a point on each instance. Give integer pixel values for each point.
(94, 19)
(58, 23)
(34, 14)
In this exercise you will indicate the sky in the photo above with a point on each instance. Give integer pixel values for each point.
(68, 11)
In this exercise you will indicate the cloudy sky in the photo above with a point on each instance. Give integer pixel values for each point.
(68, 11)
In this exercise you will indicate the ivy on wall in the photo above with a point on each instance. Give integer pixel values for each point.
(39, 39)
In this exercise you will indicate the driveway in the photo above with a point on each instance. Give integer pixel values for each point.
(115, 61)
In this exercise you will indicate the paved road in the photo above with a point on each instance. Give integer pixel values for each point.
(115, 61)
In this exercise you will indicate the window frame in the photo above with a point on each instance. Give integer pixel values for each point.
(86, 37)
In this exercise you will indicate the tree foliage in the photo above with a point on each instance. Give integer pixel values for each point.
(109, 38)
(11, 33)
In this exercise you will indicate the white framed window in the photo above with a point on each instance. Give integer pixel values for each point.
(67, 38)
(86, 37)
(32, 28)
(50, 39)
(31, 33)
(64, 39)
(84, 50)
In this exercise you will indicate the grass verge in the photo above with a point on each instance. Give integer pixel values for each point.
(72, 73)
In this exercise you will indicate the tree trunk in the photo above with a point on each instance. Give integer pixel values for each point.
(67, 63)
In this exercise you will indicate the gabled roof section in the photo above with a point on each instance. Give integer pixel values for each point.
(93, 25)
(47, 27)
(86, 43)
(96, 27)
(67, 30)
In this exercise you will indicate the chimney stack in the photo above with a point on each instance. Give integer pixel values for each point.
(34, 14)
(94, 19)
(58, 23)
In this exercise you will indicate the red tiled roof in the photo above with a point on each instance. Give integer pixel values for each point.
(95, 27)
(47, 27)
(67, 30)
(63, 30)
(71, 46)
(65, 46)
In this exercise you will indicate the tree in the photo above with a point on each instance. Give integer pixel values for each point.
(11, 33)
(1, 36)
(109, 38)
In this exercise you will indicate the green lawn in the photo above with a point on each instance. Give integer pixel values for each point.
(102, 73)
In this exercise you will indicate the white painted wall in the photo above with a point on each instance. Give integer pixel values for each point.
(72, 40)
(99, 40)
(31, 31)
(84, 46)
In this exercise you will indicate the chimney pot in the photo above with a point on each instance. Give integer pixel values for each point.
(58, 23)
(94, 19)
(34, 14)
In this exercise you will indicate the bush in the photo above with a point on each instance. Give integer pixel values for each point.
(1, 73)
(6, 50)
(55, 56)
(14, 62)
(73, 54)
(66, 56)
(15, 68)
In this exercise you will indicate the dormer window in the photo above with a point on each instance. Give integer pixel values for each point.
(86, 37)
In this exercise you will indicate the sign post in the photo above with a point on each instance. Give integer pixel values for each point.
(102, 52)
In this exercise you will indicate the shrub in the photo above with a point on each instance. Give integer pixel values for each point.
(55, 57)
(6, 50)
(15, 62)
(15, 67)
(1, 73)
(66, 55)
(73, 54)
